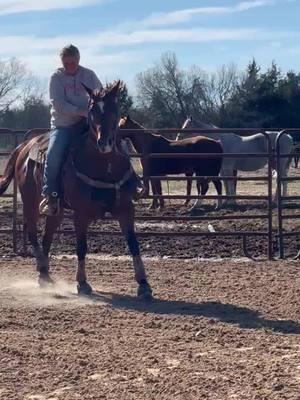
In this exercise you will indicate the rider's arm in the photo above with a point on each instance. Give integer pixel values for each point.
(96, 84)
(57, 98)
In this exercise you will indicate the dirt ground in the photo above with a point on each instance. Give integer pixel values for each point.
(218, 329)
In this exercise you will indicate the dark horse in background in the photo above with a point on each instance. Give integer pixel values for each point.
(96, 179)
(146, 142)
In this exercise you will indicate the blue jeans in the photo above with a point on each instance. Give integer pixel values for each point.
(59, 143)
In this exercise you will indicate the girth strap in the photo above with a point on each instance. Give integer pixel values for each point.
(106, 185)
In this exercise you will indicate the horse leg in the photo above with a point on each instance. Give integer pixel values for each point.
(154, 203)
(235, 181)
(31, 216)
(81, 226)
(159, 192)
(202, 184)
(126, 221)
(188, 188)
(284, 168)
(218, 185)
(230, 187)
(52, 224)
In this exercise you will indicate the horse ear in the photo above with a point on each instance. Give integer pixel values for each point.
(128, 118)
(89, 91)
(191, 118)
(115, 89)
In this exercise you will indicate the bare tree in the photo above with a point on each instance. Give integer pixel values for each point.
(32, 87)
(162, 90)
(168, 94)
(12, 76)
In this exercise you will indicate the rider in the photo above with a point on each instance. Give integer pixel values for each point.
(69, 110)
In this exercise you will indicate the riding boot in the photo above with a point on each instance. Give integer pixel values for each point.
(50, 205)
(140, 188)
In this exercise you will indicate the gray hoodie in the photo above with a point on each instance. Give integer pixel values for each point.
(68, 96)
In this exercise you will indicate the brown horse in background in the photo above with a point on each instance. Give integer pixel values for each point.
(146, 142)
(97, 178)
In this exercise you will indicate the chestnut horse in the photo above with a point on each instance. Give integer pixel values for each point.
(96, 178)
(146, 142)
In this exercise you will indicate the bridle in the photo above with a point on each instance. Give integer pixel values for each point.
(91, 126)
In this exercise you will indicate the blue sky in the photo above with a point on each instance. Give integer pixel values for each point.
(119, 38)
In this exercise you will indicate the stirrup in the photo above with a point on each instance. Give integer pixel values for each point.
(50, 205)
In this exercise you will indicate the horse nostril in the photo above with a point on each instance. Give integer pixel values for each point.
(110, 142)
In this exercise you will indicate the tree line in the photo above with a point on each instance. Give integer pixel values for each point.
(167, 93)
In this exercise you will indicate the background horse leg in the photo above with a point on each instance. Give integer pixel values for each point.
(218, 185)
(126, 221)
(188, 188)
(159, 192)
(154, 203)
(235, 181)
(230, 186)
(202, 184)
(284, 167)
(81, 226)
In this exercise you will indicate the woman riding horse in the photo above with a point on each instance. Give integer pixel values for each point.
(97, 178)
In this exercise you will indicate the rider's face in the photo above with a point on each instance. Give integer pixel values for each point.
(70, 64)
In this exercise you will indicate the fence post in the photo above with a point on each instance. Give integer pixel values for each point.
(279, 196)
(15, 204)
(270, 203)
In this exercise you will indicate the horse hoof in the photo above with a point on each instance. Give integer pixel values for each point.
(84, 289)
(144, 292)
(45, 281)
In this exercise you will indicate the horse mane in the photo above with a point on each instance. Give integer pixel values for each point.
(101, 92)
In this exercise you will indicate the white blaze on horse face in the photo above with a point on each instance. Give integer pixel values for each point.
(101, 106)
(184, 126)
(186, 123)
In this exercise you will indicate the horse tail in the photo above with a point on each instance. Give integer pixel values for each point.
(9, 170)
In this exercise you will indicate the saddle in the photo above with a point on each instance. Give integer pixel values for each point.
(38, 149)
(104, 192)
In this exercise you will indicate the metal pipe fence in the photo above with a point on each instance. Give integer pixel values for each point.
(267, 179)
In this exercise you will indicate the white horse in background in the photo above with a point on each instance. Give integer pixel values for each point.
(233, 143)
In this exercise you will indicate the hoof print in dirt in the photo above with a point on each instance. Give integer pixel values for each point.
(84, 289)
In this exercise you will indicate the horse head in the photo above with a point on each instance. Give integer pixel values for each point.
(103, 115)
(191, 123)
(186, 125)
(128, 123)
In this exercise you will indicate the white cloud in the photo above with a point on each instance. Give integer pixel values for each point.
(19, 6)
(41, 53)
(94, 42)
(175, 17)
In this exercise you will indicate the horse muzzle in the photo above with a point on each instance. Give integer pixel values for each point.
(105, 146)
